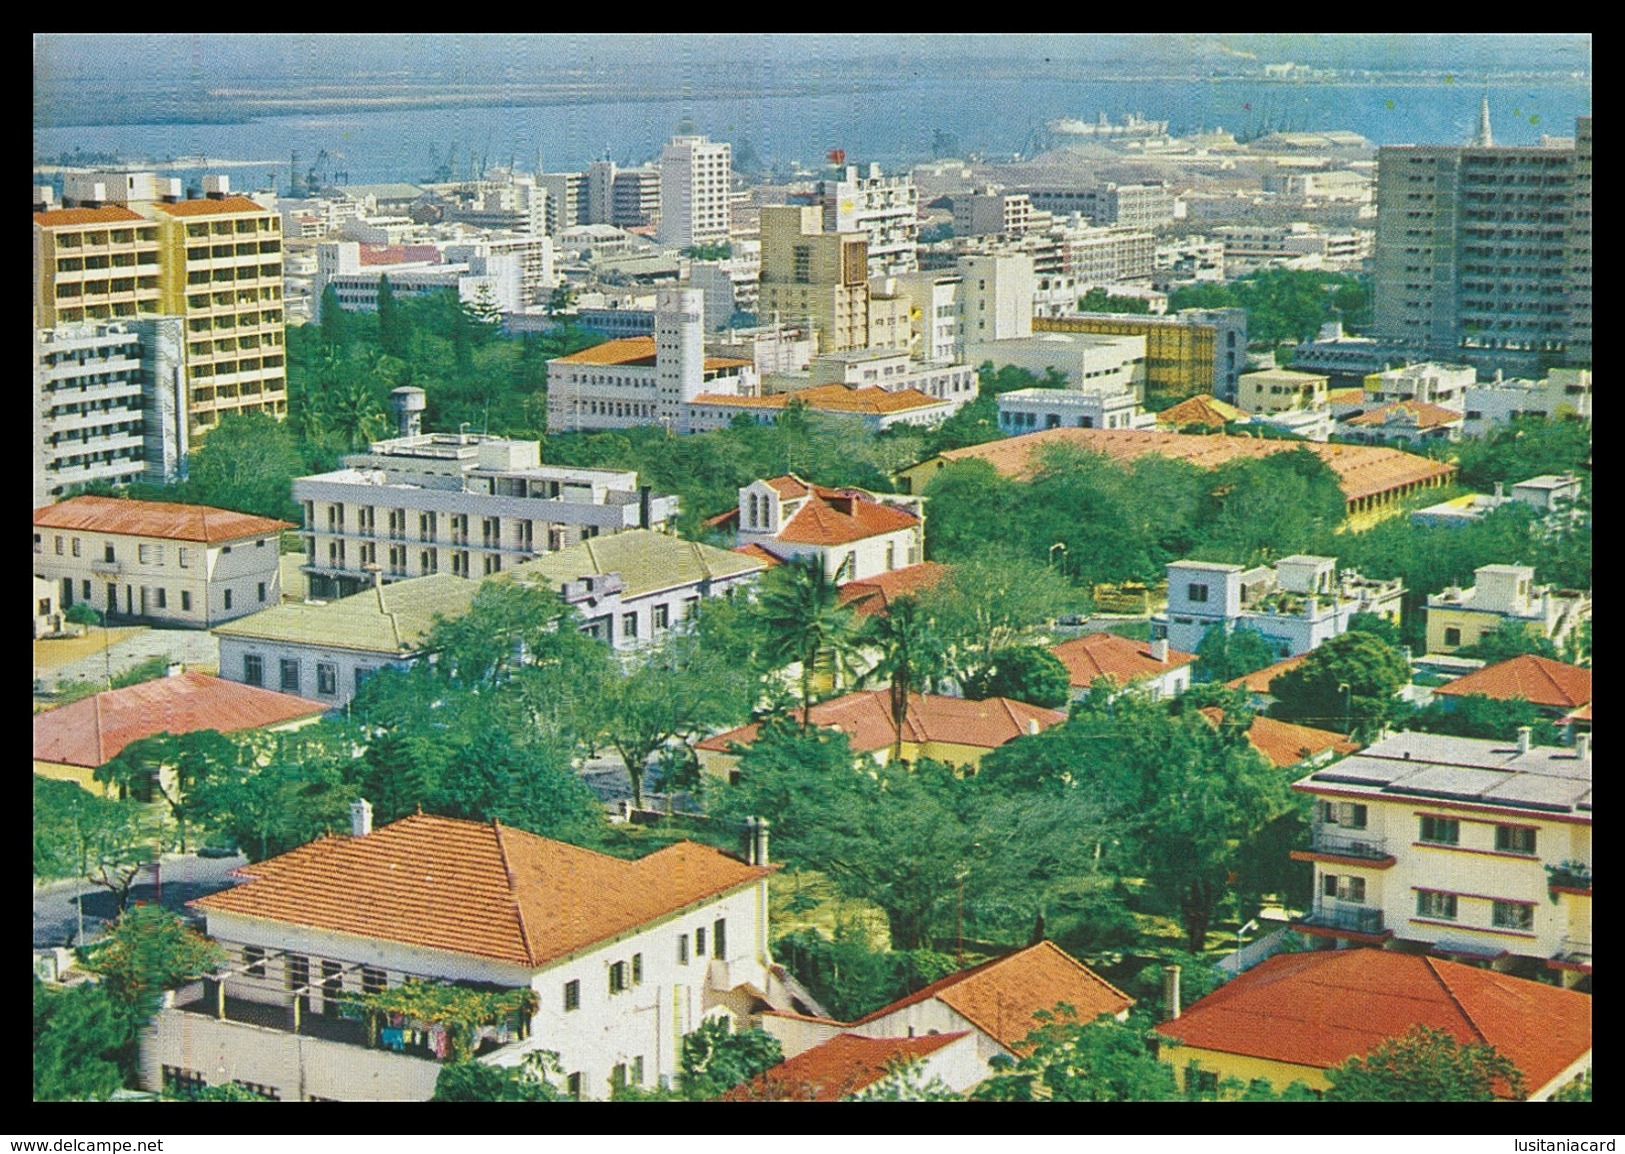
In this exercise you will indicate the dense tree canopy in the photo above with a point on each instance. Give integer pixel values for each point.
(1347, 684)
(1425, 1065)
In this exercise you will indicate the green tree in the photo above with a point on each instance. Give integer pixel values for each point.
(1378, 625)
(715, 1059)
(247, 463)
(1223, 656)
(295, 797)
(82, 613)
(149, 950)
(1098, 300)
(1508, 640)
(394, 325)
(991, 602)
(80, 1037)
(1348, 684)
(1578, 1090)
(806, 624)
(80, 835)
(509, 624)
(1029, 673)
(1069, 1059)
(189, 758)
(225, 1092)
(334, 323)
(535, 1079)
(1483, 717)
(1426, 1065)
(851, 978)
(911, 655)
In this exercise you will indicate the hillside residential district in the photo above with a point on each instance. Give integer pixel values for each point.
(1112, 624)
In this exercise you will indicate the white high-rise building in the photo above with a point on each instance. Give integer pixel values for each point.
(694, 191)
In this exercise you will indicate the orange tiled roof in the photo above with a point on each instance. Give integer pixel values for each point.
(756, 552)
(1321, 1008)
(110, 214)
(865, 718)
(1420, 414)
(845, 1064)
(638, 351)
(1000, 997)
(788, 485)
(477, 889)
(1362, 470)
(93, 730)
(1538, 680)
(1350, 396)
(1201, 409)
(1286, 744)
(1581, 714)
(1259, 680)
(873, 595)
(154, 519)
(841, 516)
(1122, 659)
(399, 254)
(870, 399)
(208, 207)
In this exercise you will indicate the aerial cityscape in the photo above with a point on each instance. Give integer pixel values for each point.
(793, 567)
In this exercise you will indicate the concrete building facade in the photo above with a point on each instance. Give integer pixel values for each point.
(695, 192)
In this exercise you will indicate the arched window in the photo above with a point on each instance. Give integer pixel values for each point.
(754, 521)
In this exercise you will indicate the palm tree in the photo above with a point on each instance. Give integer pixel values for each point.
(910, 651)
(805, 622)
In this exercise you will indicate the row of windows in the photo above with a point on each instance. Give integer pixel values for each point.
(1439, 906)
(327, 675)
(624, 975)
(1435, 830)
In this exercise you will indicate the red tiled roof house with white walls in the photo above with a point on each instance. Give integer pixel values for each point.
(854, 533)
(624, 959)
(154, 561)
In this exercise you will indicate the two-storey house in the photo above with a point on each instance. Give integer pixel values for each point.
(1462, 847)
(1502, 595)
(608, 963)
(159, 562)
(854, 534)
(1296, 604)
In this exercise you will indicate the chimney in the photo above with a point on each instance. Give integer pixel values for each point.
(1582, 745)
(1159, 650)
(1032, 727)
(174, 669)
(217, 187)
(360, 817)
(643, 507)
(756, 840)
(170, 190)
(1524, 734)
(1170, 993)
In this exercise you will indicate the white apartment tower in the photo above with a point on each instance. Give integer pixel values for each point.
(694, 191)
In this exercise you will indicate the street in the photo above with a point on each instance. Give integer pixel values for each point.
(183, 878)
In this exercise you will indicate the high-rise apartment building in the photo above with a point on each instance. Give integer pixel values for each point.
(635, 197)
(695, 178)
(567, 200)
(817, 277)
(94, 264)
(221, 271)
(1480, 255)
(885, 209)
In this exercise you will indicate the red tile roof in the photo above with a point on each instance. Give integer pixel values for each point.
(757, 553)
(60, 217)
(92, 730)
(155, 519)
(845, 1064)
(873, 595)
(1414, 414)
(1362, 470)
(478, 889)
(869, 399)
(1000, 997)
(1286, 744)
(399, 254)
(1122, 659)
(1538, 680)
(841, 516)
(207, 207)
(1259, 680)
(1321, 1008)
(1201, 409)
(866, 720)
(638, 351)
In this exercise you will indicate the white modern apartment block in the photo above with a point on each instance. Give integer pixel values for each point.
(187, 565)
(109, 404)
(1467, 848)
(1560, 393)
(884, 208)
(1107, 256)
(463, 503)
(636, 381)
(1280, 390)
(1296, 604)
(1434, 383)
(1126, 205)
(1247, 247)
(894, 370)
(608, 963)
(995, 213)
(1091, 362)
(695, 192)
(1501, 594)
(1028, 410)
(498, 275)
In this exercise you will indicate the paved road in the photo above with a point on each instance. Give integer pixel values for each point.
(183, 877)
(191, 647)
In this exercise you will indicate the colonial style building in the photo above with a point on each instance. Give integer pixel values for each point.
(1501, 594)
(1151, 668)
(608, 963)
(154, 561)
(855, 534)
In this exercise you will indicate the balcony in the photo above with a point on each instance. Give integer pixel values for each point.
(1340, 845)
(1570, 877)
(109, 568)
(1339, 919)
(1572, 954)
